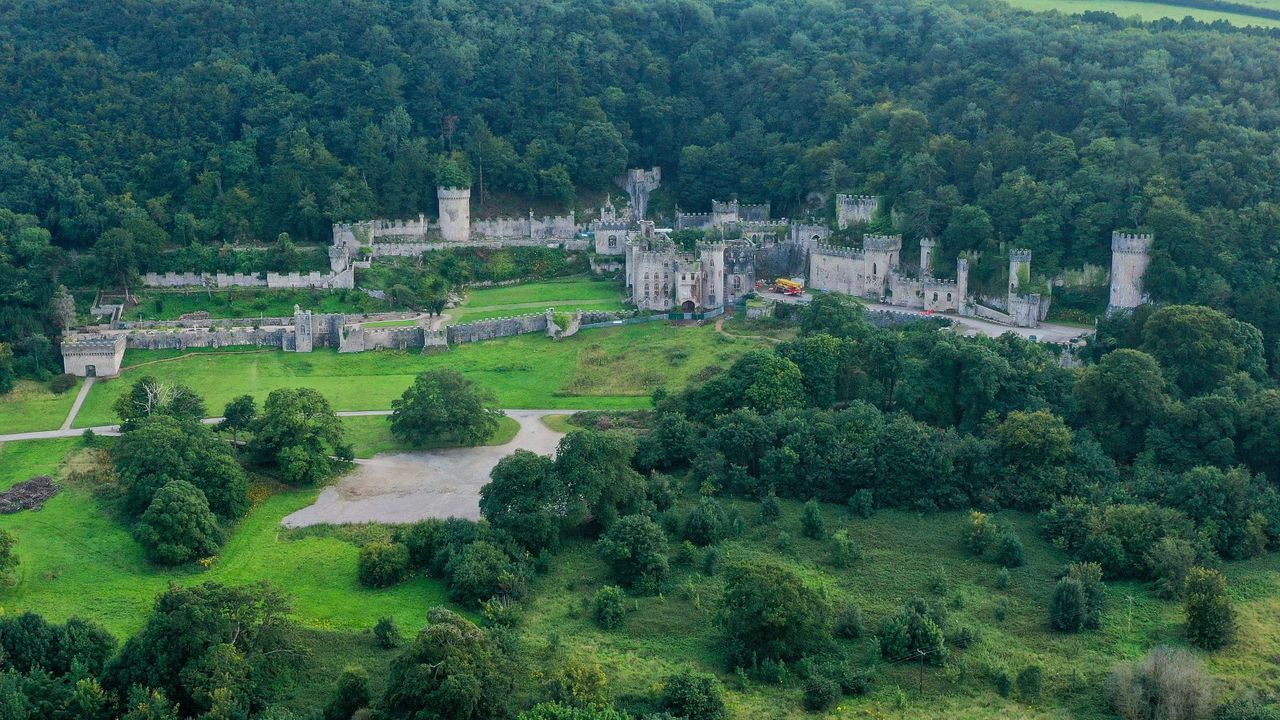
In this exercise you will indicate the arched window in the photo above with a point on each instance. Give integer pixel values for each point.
(613, 241)
(948, 297)
(935, 297)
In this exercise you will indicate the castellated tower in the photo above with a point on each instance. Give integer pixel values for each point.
(712, 257)
(1130, 257)
(1019, 270)
(962, 284)
(852, 209)
(455, 213)
(927, 246)
(880, 256)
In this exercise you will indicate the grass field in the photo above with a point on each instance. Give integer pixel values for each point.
(77, 560)
(390, 323)
(563, 295)
(370, 435)
(33, 406)
(170, 304)
(1150, 11)
(903, 552)
(610, 368)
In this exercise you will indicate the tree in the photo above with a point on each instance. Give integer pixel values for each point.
(8, 558)
(601, 154)
(1008, 550)
(382, 564)
(707, 523)
(295, 434)
(238, 416)
(767, 612)
(350, 694)
(161, 448)
(599, 481)
(1121, 395)
(482, 570)
(811, 522)
(635, 548)
(837, 315)
(915, 633)
(452, 671)
(524, 496)
(1166, 684)
(1196, 346)
(444, 405)
(1210, 617)
(149, 396)
(1068, 607)
(693, 696)
(607, 607)
(387, 633)
(178, 525)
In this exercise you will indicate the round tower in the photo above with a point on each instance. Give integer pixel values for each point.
(1130, 257)
(927, 246)
(455, 213)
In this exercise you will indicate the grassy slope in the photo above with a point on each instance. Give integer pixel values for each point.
(526, 298)
(77, 560)
(250, 303)
(371, 435)
(605, 368)
(902, 552)
(1149, 11)
(32, 406)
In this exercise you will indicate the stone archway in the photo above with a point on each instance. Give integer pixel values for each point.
(687, 307)
(91, 371)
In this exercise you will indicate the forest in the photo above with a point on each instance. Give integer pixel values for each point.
(134, 130)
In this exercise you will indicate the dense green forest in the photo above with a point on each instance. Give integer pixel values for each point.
(135, 126)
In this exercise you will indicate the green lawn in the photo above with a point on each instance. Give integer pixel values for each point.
(170, 304)
(390, 323)
(77, 560)
(1150, 11)
(559, 423)
(371, 435)
(535, 297)
(33, 406)
(609, 368)
(902, 553)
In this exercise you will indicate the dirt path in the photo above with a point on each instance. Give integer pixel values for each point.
(75, 407)
(407, 487)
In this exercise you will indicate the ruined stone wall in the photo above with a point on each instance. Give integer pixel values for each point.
(781, 259)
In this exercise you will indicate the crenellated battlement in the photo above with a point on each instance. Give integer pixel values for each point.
(938, 283)
(837, 251)
(1020, 256)
(882, 243)
(1131, 243)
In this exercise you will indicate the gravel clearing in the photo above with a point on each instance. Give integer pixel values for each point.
(407, 487)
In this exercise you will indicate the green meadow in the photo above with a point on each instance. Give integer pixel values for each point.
(523, 299)
(1151, 10)
(609, 368)
(32, 405)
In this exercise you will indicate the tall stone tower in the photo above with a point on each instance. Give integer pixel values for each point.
(302, 335)
(712, 257)
(852, 209)
(1130, 258)
(1019, 271)
(962, 284)
(455, 213)
(880, 255)
(927, 246)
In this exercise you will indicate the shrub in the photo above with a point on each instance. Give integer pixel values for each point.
(89, 438)
(1003, 682)
(767, 611)
(502, 612)
(710, 561)
(422, 539)
(1171, 560)
(963, 636)
(387, 633)
(979, 533)
(707, 524)
(1009, 552)
(849, 623)
(607, 607)
(1030, 682)
(1210, 617)
(1002, 579)
(785, 543)
(821, 693)
(1001, 611)
(693, 696)
(862, 503)
(62, 383)
(770, 508)
(812, 523)
(482, 570)
(916, 632)
(350, 695)
(636, 550)
(845, 551)
(1167, 683)
(382, 564)
(1067, 607)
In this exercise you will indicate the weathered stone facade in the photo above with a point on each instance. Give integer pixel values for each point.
(1130, 258)
(851, 209)
(93, 355)
(874, 271)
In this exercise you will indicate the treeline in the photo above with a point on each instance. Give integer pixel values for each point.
(1224, 6)
(982, 126)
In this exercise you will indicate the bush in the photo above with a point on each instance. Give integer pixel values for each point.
(1067, 607)
(862, 504)
(845, 551)
(979, 533)
(387, 633)
(915, 633)
(1002, 579)
(1003, 682)
(1167, 683)
(1030, 683)
(1210, 617)
(770, 508)
(812, 523)
(1009, 552)
(62, 383)
(710, 561)
(607, 607)
(821, 693)
(480, 571)
(693, 697)
(351, 694)
(1001, 611)
(636, 550)
(382, 564)
(707, 524)
(178, 526)
(849, 623)
(963, 636)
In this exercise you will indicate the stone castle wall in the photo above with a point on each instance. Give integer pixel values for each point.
(343, 279)
(496, 328)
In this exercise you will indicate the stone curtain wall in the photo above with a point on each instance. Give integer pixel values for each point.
(341, 279)
(158, 340)
(496, 328)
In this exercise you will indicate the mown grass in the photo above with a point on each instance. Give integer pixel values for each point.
(390, 323)
(559, 423)
(76, 559)
(903, 555)
(525, 298)
(1149, 11)
(232, 303)
(609, 368)
(31, 405)
(371, 435)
